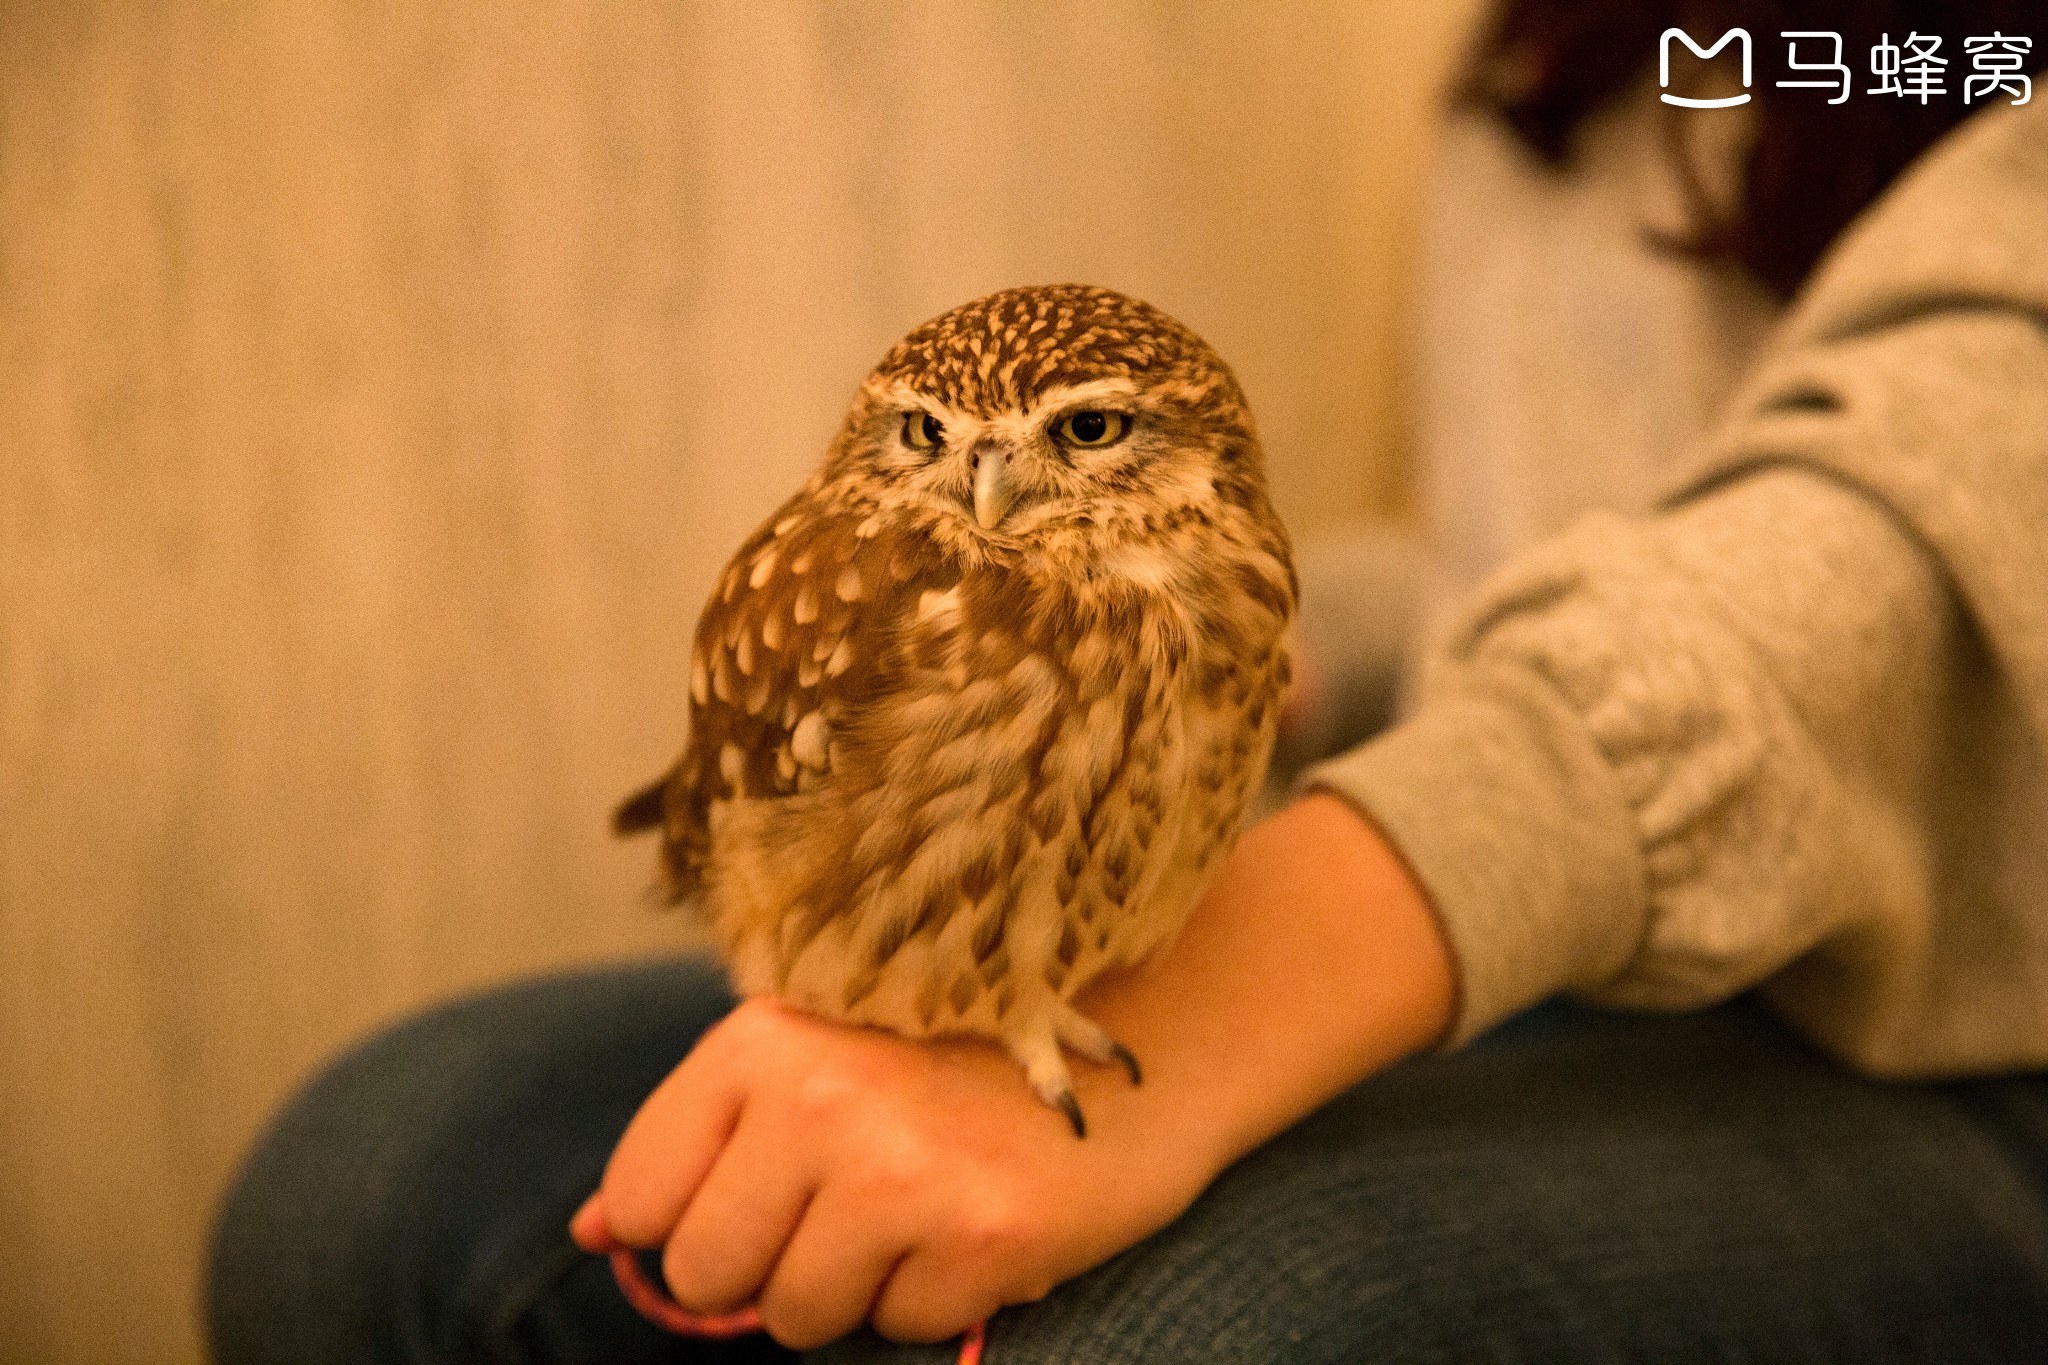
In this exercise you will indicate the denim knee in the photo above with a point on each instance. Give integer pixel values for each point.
(413, 1198)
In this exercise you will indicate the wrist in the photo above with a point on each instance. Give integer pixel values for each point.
(1313, 961)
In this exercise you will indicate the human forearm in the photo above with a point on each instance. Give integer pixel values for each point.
(1313, 961)
(1667, 757)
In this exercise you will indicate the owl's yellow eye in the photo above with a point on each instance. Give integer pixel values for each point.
(1091, 428)
(922, 431)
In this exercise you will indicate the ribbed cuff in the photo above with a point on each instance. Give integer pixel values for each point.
(1510, 818)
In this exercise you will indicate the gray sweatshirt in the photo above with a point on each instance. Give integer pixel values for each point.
(1790, 728)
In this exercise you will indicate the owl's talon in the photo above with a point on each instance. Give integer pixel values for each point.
(1085, 1036)
(1071, 1107)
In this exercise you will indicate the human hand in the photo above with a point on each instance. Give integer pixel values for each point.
(832, 1176)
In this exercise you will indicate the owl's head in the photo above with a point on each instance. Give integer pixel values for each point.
(1057, 419)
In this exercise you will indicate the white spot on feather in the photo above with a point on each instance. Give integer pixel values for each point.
(808, 743)
(764, 568)
(732, 765)
(848, 588)
(931, 605)
(1104, 731)
(1091, 654)
(1145, 564)
(842, 658)
(806, 609)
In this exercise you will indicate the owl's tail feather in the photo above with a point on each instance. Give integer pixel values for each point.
(644, 810)
(684, 841)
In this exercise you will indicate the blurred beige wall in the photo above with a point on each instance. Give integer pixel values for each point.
(380, 388)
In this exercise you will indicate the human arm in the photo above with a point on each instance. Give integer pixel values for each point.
(836, 1176)
(1788, 732)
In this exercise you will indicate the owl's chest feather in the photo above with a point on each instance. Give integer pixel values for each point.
(1035, 793)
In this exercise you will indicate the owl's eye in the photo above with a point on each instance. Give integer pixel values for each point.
(1091, 428)
(921, 430)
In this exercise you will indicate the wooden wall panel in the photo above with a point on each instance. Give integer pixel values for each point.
(381, 386)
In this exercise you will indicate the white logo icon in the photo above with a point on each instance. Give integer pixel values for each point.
(1704, 54)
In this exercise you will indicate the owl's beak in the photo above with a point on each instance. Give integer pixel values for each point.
(994, 490)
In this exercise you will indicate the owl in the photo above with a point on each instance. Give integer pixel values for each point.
(974, 716)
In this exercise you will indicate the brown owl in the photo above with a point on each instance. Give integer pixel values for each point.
(975, 714)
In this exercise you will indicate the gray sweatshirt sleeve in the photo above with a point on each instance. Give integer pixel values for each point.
(1789, 730)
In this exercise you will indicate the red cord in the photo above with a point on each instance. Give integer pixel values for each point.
(664, 1312)
(653, 1303)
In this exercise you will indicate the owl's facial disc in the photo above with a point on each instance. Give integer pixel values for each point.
(1080, 462)
(1027, 469)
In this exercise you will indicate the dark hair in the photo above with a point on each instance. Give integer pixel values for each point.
(1544, 66)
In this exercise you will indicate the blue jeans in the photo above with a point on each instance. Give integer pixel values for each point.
(1578, 1187)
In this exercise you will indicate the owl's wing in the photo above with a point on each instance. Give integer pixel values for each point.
(795, 640)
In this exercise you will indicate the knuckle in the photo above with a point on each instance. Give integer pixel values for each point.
(927, 1317)
(631, 1212)
(632, 1228)
(900, 1166)
(692, 1280)
(991, 1230)
(799, 1325)
(825, 1096)
(806, 1306)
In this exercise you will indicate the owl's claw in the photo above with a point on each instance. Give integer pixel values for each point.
(1085, 1036)
(1071, 1107)
(1047, 1072)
